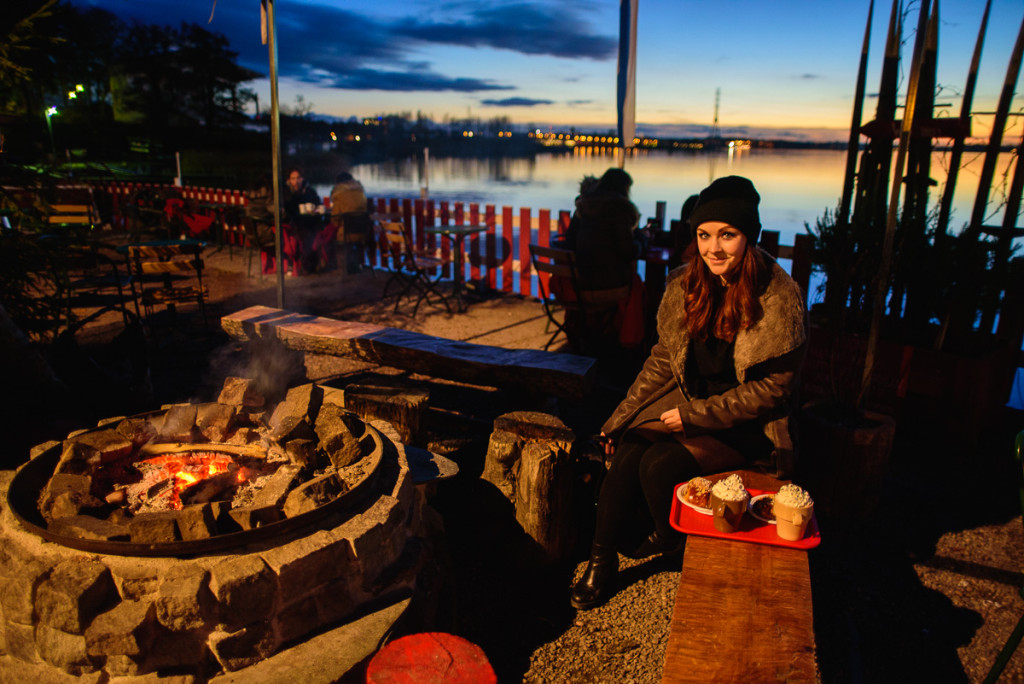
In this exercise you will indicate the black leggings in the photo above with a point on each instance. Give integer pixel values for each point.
(641, 466)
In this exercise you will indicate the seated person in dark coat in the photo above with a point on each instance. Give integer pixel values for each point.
(305, 221)
(601, 233)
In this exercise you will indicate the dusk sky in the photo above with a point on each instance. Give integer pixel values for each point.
(785, 68)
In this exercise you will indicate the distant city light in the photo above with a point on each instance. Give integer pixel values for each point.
(72, 95)
(52, 111)
(80, 88)
(333, 136)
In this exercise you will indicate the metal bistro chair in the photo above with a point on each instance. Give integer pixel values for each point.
(410, 268)
(1018, 632)
(588, 315)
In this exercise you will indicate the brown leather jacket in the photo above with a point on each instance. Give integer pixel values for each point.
(768, 356)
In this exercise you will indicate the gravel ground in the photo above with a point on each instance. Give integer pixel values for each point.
(925, 589)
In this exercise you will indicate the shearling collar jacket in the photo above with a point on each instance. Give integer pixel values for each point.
(767, 356)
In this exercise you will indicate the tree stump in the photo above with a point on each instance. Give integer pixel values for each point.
(528, 460)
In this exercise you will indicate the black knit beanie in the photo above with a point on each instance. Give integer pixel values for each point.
(732, 200)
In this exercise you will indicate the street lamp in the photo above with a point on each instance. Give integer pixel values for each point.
(50, 113)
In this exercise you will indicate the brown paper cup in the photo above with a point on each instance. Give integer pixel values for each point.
(791, 521)
(727, 514)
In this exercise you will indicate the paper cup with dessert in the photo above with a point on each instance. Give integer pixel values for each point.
(793, 510)
(728, 503)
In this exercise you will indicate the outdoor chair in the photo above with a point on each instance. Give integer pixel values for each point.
(259, 237)
(88, 278)
(1018, 632)
(588, 316)
(410, 268)
(357, 231)
(166, 273)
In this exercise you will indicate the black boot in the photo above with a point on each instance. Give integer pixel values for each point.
(656, 545)
(595, 586)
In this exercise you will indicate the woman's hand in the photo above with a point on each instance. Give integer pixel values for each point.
(672, 420)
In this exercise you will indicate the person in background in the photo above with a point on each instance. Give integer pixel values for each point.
(350, 213)
(714, 394)
(681, 234)
(601, 232)
(301, 205)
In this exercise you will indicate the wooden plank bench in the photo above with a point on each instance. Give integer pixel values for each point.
(560, 375)
(743, 612)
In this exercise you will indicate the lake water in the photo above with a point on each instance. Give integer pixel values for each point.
(796, 186)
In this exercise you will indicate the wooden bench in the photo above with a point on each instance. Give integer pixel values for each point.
(743, 612)
(171, 262)
(560, 375)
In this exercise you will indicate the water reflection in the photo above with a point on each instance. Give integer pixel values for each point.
(796, 186)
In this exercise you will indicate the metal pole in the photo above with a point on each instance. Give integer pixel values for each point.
(275, 147)
(858, 106)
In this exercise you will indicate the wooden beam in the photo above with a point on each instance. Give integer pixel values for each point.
(561, 375)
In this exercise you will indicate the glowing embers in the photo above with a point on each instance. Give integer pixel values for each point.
(171, 481)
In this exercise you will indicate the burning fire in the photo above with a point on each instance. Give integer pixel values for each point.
(201, 474)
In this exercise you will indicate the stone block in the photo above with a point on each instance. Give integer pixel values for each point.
(21, 642)
(124, 669)
(138, 431)
(292, 417)
(297, 620)
(313, 493)
(74, 459)
(339, 431)
(197, 521)
(251, 517)
(89, 527)
(240, 392)
(63, 650)
(245, 589)
(17, 593)
(141, 582)
(183, 599)
(154, 528)
(335, 601)
(104, 446)
(235, 650)
(170, 650)
(66, 494)
(244, 436)
(179, 423)
(127, 629)
(307, 563)
(42, 448)
(334, 396)
(75, 592)
(303, 453)
(371, 537)
(215, 421)
(275, 490)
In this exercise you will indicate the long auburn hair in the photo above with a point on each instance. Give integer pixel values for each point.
(714, 309)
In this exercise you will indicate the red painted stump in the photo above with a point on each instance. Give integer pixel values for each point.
(430, 658)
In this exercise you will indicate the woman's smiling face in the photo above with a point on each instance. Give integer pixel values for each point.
(721, 246)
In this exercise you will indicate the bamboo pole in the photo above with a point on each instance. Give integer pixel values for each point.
(956, 154)
(882, 277)
(858, 109)
(995, 140)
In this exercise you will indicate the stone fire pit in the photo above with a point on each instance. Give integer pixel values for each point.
(289, 521)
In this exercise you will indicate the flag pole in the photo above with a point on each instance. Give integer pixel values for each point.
(626, 77)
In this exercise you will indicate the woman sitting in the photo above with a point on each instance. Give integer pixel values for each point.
(714, 394)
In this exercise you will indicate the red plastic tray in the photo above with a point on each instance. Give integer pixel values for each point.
(689, 521)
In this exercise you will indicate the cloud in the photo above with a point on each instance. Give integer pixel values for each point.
(339, 48)
(375, 79)
(531, 29)
(808, 77)
(515, 102)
